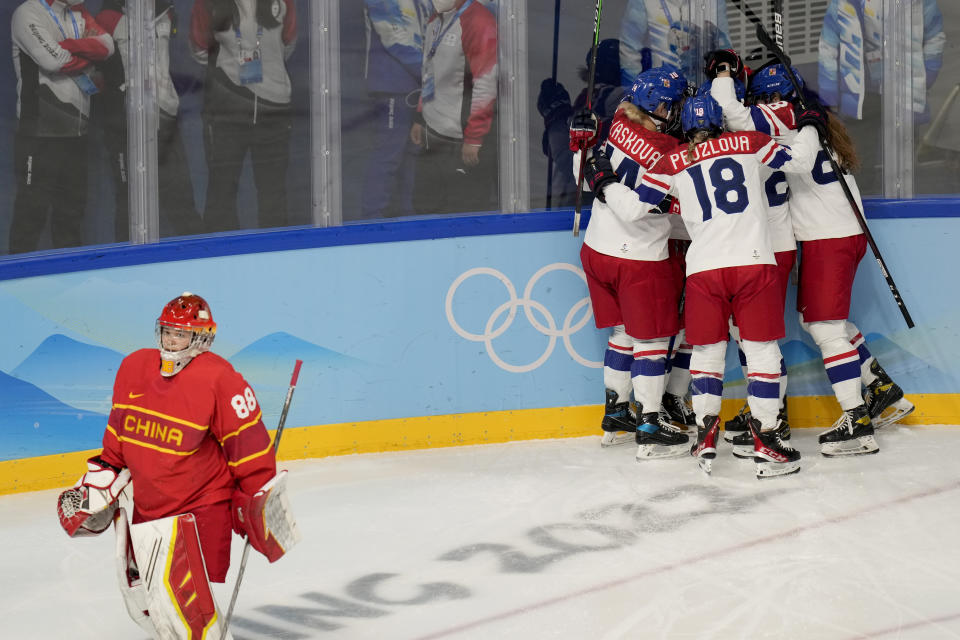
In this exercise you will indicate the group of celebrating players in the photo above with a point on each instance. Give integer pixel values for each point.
(701, 199)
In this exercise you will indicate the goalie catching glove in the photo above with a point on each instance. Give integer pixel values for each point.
(88, 508)
(266, 518)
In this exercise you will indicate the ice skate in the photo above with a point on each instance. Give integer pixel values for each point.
(619, 423)
(884, 399)
(851, 435)
(743, 443)
(736, 426)
(705, 448)
(657, 439)
(772, 456)
(674, 409)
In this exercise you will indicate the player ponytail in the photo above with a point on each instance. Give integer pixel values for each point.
(841, 142)
(636, 115)
(697, 138)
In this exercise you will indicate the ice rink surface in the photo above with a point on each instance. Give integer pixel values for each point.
(558, 539)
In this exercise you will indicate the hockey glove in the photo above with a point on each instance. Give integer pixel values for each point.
(88, 508)
(719, 56)
(664, 207)
(553, 103)
(815, 116)
(584, 130)
(598, 174)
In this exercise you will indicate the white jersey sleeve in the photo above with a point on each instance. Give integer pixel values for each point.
(34, 33)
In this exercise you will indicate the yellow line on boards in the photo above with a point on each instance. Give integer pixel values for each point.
(400, 434)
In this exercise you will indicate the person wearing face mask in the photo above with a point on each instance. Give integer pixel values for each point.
(178, 212)
(456, 172)
(392, 71)
(54, 44)
(185, 430)
(245, 45)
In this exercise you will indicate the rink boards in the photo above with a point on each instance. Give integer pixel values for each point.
(413, 335)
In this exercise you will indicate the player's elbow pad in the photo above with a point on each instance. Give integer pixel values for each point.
(266, 519)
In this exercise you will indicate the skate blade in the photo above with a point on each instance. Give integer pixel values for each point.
(706, 462)
(894, 413)
(861, 446)
(744, 452)
(767, 469)
(615, 438)
(660, 451)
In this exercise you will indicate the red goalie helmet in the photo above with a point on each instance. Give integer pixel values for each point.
(186, 316)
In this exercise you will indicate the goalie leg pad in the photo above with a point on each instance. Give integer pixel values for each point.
(267, 519)
(128, 576)
(178, 595)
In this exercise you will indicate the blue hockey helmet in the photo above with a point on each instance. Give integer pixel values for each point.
(773, 79)
(738, 89)
(701, 113)
(652, 87)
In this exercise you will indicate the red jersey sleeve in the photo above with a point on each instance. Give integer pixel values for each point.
(289, 33)
(202, 39)
(112, 451)
(238, 427)
(480, 50)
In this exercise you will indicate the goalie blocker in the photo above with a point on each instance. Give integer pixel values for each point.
(266, 518)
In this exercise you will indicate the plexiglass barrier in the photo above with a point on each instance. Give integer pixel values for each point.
(134, 122)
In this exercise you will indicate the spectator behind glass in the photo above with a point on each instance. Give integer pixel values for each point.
(178, 211)
(393, 64)
(456, 172)
(658, 32)
(553, 103)
(245, 44)
(54, 44)
(850, 71)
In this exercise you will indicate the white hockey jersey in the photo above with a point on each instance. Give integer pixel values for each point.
(818, 207)
(722, 196)
(633, 150)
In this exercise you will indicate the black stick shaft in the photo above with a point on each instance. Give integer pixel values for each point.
(553, 75)
(246, 546)
(778, 53)
(590, 82)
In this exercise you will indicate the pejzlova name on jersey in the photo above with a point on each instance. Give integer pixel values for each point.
(633, 145)
(710, 148)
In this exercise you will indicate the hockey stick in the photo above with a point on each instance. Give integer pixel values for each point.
(778, 53)
(246, 546)
(583, 149)
(553, 75)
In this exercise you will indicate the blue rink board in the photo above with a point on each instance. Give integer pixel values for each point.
(432, 326)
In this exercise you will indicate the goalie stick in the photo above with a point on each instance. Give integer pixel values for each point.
(777, 51)
(276, 446)
(590, 83)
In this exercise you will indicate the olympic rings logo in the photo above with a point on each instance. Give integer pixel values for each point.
(492, 331)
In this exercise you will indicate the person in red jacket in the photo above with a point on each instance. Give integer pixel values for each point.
(55, 42)
(457, 166)
(186, 429)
